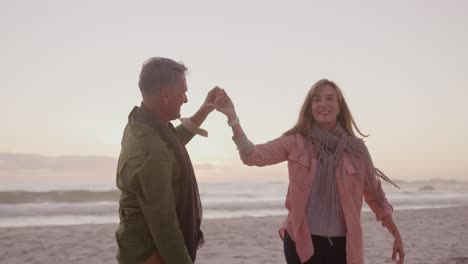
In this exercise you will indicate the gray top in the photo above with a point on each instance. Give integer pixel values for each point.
(317, 217)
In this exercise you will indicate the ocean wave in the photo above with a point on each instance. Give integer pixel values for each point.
(74, 196)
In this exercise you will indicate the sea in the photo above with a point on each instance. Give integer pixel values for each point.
(84, 203)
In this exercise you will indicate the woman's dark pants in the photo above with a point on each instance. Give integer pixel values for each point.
(326, 250)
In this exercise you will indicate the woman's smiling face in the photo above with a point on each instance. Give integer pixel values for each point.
(325, 107)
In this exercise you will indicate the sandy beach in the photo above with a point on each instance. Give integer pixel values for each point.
(430, 235)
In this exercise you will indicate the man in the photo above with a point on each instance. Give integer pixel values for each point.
(159, 209)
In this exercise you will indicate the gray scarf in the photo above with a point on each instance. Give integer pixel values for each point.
(329, 148)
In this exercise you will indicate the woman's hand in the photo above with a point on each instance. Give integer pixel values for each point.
(399, 249)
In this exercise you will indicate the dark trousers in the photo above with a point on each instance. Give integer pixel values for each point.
(326, 251)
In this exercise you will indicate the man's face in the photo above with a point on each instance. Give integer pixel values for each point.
(176, 98)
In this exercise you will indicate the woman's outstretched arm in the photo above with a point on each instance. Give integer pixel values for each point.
(272, 152)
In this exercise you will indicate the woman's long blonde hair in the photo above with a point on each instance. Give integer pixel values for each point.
(306, 121)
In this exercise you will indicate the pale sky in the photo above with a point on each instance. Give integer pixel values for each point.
(69, 77)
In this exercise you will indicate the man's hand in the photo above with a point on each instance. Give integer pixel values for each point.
(206, 108)
(209, 104)
(225, 105)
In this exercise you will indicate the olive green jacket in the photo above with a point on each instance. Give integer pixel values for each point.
(148, 177)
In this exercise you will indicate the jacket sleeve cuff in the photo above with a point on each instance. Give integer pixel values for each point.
(243, 144)
(384, 212)
(192, 127)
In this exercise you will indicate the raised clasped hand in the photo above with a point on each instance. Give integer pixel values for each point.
(210, 101)
(224, 104)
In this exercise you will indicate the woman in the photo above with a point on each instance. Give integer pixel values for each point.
(330, 171)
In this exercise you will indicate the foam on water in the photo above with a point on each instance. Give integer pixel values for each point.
(220, 200)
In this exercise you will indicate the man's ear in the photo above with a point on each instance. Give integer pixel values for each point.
(164, 94)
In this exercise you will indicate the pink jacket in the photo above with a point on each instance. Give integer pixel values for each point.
(302, 166)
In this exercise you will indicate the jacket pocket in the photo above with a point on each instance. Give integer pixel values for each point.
(355, 178)
(298, 166)
(134, 239)
(124, 177)
(299, 156)
(127, 213)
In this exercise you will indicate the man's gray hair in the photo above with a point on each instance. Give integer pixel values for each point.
(158, 72)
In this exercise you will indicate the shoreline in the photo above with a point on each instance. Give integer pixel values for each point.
(73, 220)
(430, 236)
